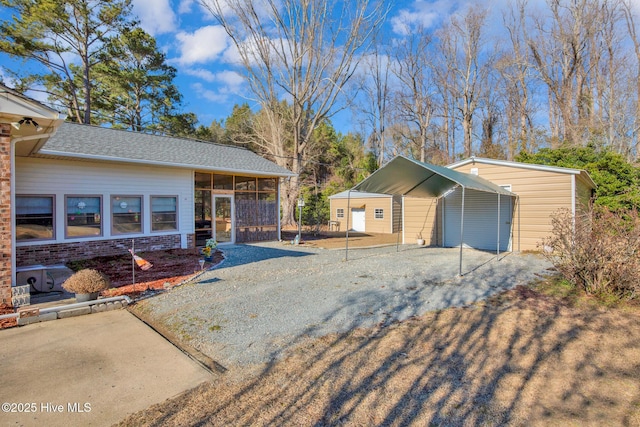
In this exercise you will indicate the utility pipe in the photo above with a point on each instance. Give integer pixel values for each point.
(74, 305)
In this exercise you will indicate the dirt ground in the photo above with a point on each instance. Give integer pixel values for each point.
(337, 239)
(520, 358)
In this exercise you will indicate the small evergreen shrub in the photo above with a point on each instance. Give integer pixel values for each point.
(87, 281)
(600, 253)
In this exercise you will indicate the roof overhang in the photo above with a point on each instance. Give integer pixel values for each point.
(406, 177)
(38, 121)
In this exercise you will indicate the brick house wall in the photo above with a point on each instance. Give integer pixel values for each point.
(59, 253)
(5, 213)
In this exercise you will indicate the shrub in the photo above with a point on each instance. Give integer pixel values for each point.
(599, 253)
(86, 282)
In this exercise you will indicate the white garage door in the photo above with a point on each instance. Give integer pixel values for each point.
(480, 220)
(357, 219)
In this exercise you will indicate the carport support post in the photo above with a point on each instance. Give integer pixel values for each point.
(498, 245)
(346, 254)
(461, 230)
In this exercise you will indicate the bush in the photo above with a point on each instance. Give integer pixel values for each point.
(86, 282)
(600, 253)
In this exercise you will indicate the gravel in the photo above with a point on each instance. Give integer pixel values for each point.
(265, 298)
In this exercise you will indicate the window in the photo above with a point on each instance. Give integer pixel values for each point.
(223, 182)
(126, 214)
(378, 213)
(245, 183)
(202, 180)
(164, 213)
(34, 218)
(83, 216)
(339, 213)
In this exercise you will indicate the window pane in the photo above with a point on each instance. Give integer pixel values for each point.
(245, 183)
(164, 213)
(202, 209)
(126, 214)
(34, 217)
(223, 182)
(203, 180)
(266, 184)
(84, 216)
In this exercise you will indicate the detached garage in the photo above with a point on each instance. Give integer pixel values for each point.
(430, 184)
(366, 212)
(541, 190)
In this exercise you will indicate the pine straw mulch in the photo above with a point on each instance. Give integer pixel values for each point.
(520, 358)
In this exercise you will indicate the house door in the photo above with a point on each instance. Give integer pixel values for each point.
(223, 229)
(357, 215)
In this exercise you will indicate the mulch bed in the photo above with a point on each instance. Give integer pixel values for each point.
(170, 268)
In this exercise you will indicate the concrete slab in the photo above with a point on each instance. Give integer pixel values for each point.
(88, 370)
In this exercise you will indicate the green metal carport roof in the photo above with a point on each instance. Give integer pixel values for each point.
(406, 177)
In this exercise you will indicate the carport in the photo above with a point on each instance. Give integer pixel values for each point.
(406, 177)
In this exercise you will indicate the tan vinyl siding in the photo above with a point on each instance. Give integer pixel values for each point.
(420, 219)
(372, 224)
(541, 194)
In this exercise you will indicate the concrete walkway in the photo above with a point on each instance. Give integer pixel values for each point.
(88, 370)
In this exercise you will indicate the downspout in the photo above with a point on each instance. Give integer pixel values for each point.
(12, 189)
(573, 202)
(498, 245)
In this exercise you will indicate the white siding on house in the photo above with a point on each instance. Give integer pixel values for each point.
(63, 177)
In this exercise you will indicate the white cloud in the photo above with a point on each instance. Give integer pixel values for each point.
(201, 73)
(156, 16)
(230, 78)
(209, 95)
(203, 45)
(422, 14)
(185, 6)
(230, 81)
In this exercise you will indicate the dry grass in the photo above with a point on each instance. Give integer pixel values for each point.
(521, 358)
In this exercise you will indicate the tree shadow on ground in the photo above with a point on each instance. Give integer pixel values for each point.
(520, 357)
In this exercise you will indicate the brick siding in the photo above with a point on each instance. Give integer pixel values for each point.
(59, 253)
(5, 213)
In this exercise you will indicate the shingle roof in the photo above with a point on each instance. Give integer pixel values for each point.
(91, 142)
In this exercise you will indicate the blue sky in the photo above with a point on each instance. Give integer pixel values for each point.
(201, 52)
(203, 56)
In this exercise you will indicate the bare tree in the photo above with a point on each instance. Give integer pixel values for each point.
(461, 44)
(559, 48)
(374, 89)
(304, 51)
(415, 101)
(630, 17)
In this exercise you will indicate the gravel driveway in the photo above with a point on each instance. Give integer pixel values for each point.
(268, 297)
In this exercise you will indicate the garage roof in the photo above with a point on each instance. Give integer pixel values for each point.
(406, 177)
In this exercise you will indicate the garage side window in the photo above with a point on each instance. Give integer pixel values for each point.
(378, 213)
(126, 214)
(164, 213)
(83, 216)
(34, 218)
(339, 213)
